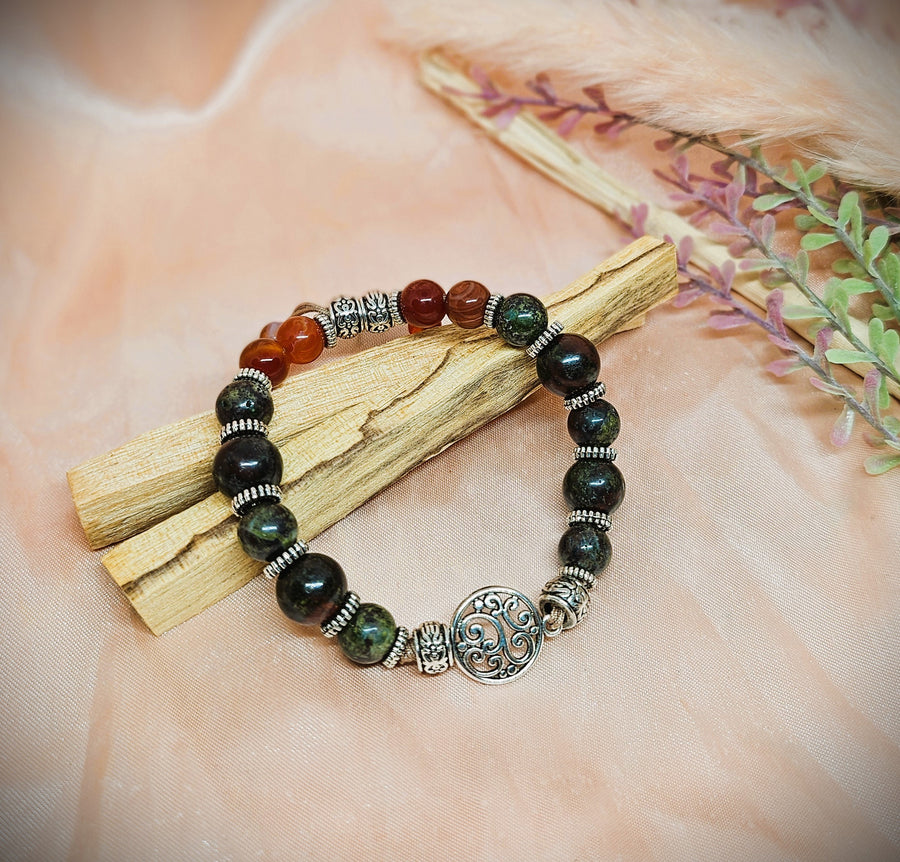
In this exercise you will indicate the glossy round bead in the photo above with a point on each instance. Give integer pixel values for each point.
(594, 424)
(520, 319)
(244, 399)
(585, 546)
(244, 462)
(569, 363)
(596, 485)
(267, 530)
(270, 329)
(369, 635)
(311, 589)
(302, 338)
(268, 356)
(465, 303)
(422, 303)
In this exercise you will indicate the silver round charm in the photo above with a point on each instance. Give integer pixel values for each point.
(433, 648)
(497, 633)
(570, 595)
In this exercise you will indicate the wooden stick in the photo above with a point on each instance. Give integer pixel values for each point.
(346, 430)
(541, 147)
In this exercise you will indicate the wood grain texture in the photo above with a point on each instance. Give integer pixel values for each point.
(346, 431)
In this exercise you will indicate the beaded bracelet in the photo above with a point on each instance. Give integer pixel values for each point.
(497, 632)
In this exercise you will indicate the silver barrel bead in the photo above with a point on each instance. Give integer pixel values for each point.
(349, 315)
(433, 648)
(378, 312)
(566, 597)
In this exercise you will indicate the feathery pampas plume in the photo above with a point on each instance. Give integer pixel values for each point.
(806, 76)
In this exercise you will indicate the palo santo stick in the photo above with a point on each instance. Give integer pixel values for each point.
(349, 429)
(537, 144)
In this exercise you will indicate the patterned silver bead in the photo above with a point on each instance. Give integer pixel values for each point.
(334, 626)
(284, 559)
(544, 339)
(433, 648)
(256, 376)
(601, 453)
(583, 575)
(394, 309)
(243, 428)
(595, 393)
(395, 654)
(250, 497)
(490, 309)
(349, 315)
(378, 315)
(570, 596)
(600, 520)
(328, 330)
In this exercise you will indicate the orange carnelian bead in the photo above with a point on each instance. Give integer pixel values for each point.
(269, 330)
(268, 356)
(302, 338)
(414, 329)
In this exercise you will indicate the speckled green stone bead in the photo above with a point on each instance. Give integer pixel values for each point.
(520, 319)
(595, 485)
(310, 590)
(244, 462)
(244, 399)
(568, 364)
(369, 635)
(595, 424)
(585, 546)
(267, 530)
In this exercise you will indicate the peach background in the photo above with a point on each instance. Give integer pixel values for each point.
(175, 175)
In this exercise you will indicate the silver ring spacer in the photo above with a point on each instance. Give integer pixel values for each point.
(339, 621)
(328, 330)
(490, 309)
(250, 497)
(595, 393)
(394, 309)
(544, 339)
(433, 647)
(256, 376)
(570, 596)
(601, 453)
(392, 659)
(600, 520)
(553, 622)
(582, 575)
(378, 315)
(243, 428)
(284, 559)
(349, 315)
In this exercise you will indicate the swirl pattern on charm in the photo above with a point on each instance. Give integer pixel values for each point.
(497, 634)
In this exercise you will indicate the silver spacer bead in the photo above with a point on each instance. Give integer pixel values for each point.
(256, 376)
(570, 596)
(583, 575)
(327, 324)
(490, 310)
(544, 339)
(394, 309)
(601, 453)
(392, 659)
(595, 393)
(250, 497)
(284, 559)
(334, 626)
(243, 428)
(554, 621)
(600, 520)
(378, 315)
(349, 315)
(433, 648)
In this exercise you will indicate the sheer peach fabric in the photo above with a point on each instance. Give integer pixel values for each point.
(176, 175)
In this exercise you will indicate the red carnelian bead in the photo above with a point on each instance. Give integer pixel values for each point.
(269, 330)
(465, 303)
(268, 356)
(414, 329)
(422, 303)
(302, 338)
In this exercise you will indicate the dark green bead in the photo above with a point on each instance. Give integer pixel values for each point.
(244, 399)
(520, 319)
(596, 424)
(568, 364)
(595, 485)
(585, 546)
(244, 462)
(267, 530)
(310, 590)
(369, 635)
